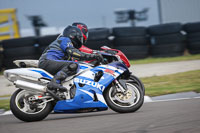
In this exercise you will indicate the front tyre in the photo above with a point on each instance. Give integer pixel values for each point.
(137, 81)
(26, 110)
(131, 101)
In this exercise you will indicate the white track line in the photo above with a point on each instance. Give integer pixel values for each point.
(177, 99)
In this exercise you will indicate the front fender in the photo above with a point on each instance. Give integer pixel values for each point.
(123, 67)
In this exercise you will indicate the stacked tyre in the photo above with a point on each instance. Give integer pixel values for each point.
(22, 48)
(98, 37)
(44, 41)
(193, 37)
(132, 41)
(166, 40)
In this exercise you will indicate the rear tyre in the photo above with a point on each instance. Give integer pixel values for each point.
(22, 108)
(125, 103)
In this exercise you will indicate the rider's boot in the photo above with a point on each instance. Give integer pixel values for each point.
(61, 76)
(55, 83)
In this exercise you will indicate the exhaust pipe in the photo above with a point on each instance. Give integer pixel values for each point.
(35, 87)
(29, 86)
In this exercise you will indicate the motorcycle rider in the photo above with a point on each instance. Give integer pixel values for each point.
(84, 29)
(59, 57)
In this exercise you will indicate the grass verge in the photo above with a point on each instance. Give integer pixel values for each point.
(5, 96)
(166, 59)
(174, 83)
(5, 104)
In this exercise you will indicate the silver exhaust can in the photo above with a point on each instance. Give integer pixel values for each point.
(29, 86)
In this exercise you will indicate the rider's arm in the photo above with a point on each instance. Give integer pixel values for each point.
(73, 52)
(66, 45)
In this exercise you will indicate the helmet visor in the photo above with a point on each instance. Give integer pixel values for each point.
(84, 31)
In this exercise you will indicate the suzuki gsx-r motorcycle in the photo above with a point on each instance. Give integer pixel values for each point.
(94, 88)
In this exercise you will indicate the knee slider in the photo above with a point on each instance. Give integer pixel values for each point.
(73, 67)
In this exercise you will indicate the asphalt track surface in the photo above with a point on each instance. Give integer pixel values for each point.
(179, 116)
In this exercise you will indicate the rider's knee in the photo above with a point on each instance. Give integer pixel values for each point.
(73, 67)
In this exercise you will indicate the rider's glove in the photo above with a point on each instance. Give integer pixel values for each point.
(99, 57)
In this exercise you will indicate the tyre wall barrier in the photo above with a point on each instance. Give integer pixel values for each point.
(98, 37)
(166, 40)
(193, 37)
(133, 41)
(22, 48)
(44, 41)
(136, 42)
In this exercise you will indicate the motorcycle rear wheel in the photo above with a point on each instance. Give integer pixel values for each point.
(121, 103)
(22, 109)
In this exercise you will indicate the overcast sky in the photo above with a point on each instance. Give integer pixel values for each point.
(95, 13)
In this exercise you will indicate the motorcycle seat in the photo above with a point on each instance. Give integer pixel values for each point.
(26, 63)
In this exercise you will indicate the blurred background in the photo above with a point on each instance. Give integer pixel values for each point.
(95, 13)
(139, 28)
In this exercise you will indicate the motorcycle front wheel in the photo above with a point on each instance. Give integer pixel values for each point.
(29, 110)
(127, 102)
(137, 81)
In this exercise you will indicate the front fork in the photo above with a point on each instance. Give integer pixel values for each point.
(119, 86)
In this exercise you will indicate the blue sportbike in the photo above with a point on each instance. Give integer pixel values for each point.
(94, 88)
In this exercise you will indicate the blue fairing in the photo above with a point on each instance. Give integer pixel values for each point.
(89, 94)
(84, 97)
(82, 100)
(119, 65)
